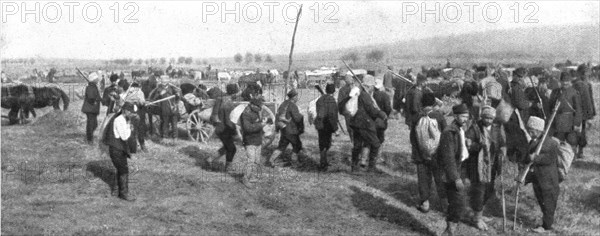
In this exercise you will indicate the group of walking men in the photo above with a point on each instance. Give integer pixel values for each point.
(367, 126)
(475, 144)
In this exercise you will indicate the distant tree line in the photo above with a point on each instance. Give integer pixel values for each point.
(249, 58)
(374, 55)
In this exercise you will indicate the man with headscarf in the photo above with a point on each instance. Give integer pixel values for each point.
(91, 106)
(486, 142)
(453, 152)
(588, 108)
(289, 114)
(326, 123)
(568, 117)
(543, 173)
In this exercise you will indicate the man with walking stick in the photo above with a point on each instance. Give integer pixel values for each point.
(541, 170)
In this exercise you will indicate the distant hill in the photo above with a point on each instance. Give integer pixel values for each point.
(548, 43)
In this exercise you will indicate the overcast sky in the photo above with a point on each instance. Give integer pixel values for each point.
(198, 29)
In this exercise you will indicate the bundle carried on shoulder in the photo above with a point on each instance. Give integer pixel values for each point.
(565, 158)
(503, 111)
(428, 136)
(312, 111)
(493, 90)
(352, 104)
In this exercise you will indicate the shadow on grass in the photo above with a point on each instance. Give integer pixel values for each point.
(202, 157)
(585, 165)
(104, 170)
(378, 209)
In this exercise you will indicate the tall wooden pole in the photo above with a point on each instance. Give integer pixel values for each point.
(287, 80)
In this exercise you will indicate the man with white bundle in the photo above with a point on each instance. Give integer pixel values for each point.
(362, 112)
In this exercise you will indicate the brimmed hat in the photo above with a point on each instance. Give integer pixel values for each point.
(330, 88)
(488, 112)
(536, 123)
(232, 89)
(292, 93)
(421, 78)
(565, 77)
(369, 80)
(460, 109)
(520, 72)
(93, 77)
(114, 78)
(428, 99)
(581, 68)
(128, 106)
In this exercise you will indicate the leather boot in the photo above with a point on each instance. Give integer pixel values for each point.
(450, 228)
(124, 188)
(275, 160)
(324, 163)
(580, 153)
(478, 221)
(364, 157)
(114, 189)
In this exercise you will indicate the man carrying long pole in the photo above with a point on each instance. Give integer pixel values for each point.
(287, 79)
(541, 169)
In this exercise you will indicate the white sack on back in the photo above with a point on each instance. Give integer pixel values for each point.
(352, 104)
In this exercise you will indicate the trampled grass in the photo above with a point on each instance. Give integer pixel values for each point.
(53, 183)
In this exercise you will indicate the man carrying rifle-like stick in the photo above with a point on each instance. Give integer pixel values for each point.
(541, 169)
(363, 114)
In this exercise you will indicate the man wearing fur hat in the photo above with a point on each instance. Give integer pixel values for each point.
(91, 106)
(569, 116)
(487, 147)
(326, 123)
(289, 114)
(452, 153)
(427, 166)
(543, 173)
(363, 124)
(588, 109)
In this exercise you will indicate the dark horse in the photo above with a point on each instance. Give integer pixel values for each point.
(17, 98)
(49, 96)
(167, 110)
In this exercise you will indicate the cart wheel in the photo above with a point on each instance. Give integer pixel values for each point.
(198, 130)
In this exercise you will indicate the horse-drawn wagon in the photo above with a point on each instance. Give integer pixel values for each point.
(195, 115)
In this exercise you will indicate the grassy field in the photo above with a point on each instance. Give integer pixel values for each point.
(53, 183)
